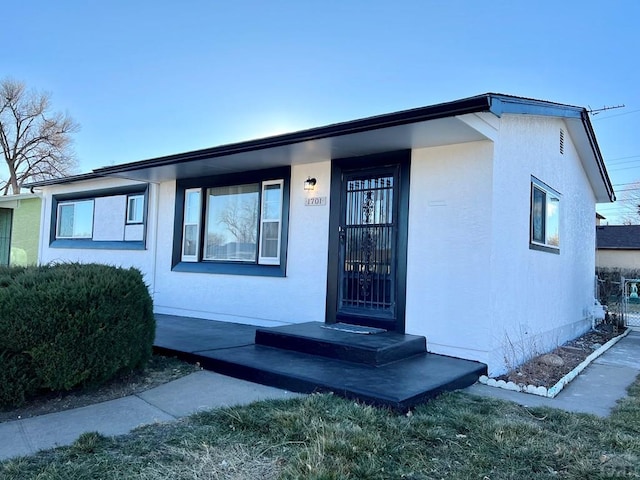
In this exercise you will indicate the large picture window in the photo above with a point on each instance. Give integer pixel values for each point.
(545, 216)
(232, 224)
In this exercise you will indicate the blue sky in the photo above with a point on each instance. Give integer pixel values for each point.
(150, 78)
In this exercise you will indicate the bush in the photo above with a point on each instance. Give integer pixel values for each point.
(69, 325)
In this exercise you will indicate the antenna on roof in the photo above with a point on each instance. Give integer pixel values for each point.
(596, 111)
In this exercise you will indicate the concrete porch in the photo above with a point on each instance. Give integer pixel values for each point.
(385, 369)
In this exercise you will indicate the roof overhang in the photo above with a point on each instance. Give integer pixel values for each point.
(461, 121)
(12, 201)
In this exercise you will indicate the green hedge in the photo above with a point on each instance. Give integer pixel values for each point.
(69, 325)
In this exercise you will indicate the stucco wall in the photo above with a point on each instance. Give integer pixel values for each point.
(266, 301)
(141, 259)
(448, 274)
(474, 287)
(538, 299)
(24, 232)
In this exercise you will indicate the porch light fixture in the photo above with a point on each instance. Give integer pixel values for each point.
(310, 183)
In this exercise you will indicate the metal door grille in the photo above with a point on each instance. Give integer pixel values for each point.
(368, 240)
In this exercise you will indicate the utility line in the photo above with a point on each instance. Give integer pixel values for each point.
(616, 115)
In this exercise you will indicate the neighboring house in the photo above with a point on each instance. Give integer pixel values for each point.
(468, 222)
(618, 246)
(19, 229)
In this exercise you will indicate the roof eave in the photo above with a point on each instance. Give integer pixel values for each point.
(459, 107)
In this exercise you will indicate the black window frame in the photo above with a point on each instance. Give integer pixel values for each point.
(89, 243)
(546, 190)
(224, 267)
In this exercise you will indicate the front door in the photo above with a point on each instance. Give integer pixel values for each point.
(370, 250)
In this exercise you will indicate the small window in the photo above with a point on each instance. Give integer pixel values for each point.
(270, 222)
(191, 227)
(135, 209)
(545, 216)
(75, 219)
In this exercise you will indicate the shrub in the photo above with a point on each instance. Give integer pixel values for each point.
(69, 325)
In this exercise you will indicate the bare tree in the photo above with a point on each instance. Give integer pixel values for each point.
(629, 204)
(241, 220)
(36, 144)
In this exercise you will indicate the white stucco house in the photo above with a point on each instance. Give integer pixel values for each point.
(469, 222)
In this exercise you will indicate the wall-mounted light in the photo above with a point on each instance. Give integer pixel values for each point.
(310, 183)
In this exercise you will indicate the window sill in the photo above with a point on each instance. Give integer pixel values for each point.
(97, 245)
(544, 248)
(231, 269)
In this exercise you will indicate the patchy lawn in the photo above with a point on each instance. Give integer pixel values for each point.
(456, 436)
(158, 371)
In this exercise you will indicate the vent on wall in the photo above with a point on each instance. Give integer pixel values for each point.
(561, 142)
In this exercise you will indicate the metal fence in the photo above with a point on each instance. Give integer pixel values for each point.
(630, 308)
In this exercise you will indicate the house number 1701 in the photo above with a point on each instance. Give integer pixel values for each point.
(315, 201)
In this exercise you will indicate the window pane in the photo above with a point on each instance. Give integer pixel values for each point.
(192, 209)
(65, 221)
(552, 223)
(271, 202)
(270, 239)
(135, 209)
(83, 219)
(190, 240)
(537, 216)
(232, 223)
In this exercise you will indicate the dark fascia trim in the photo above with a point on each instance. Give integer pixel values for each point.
(231, 268)
(88, 244)
(591, 135)
(459, 107)
(103, 192)
(60, 181)
(542, 248)
(501, 104)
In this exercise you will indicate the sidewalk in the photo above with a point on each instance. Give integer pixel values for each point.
(596, 390)
(198, 391)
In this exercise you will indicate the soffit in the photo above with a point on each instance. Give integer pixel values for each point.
(431, 133)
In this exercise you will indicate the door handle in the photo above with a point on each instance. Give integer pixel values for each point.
(342, 234)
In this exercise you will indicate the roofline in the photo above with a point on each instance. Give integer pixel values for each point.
(495, 103)
(62, 180)
(458, 107)
(591, 135)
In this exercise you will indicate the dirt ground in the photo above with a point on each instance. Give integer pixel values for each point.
(541, 374)
(159, 370)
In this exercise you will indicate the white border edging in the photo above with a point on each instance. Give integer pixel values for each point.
(557, 388)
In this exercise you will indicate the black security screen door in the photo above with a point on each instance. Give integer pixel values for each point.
(367, 248)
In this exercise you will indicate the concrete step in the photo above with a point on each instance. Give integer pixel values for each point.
(314, 338)
(398, 385)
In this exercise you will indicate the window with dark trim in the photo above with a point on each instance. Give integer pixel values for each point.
(75, 219)
(234, 224)
(113, 218)
(545, 217)
(135, 208)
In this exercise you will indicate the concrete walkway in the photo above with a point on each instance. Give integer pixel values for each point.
(198, 391)
(596, 390)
